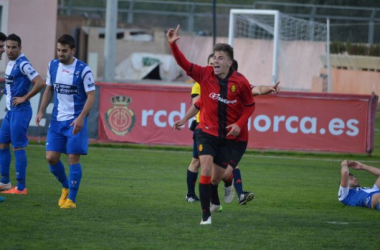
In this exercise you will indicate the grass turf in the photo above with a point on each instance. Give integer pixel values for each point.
(132, 197)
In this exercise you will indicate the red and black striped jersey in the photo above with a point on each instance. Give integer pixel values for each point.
(223, 101)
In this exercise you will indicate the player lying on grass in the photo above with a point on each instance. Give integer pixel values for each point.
(351, 193)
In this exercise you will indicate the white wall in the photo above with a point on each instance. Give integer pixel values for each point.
(35, 21)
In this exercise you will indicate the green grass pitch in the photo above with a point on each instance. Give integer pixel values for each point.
(133, 198)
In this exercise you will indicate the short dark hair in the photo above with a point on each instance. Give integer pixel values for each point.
(234, 65)
(3, 37)
(67, 40)
(226, 48)
(16, 38)
(209, 56)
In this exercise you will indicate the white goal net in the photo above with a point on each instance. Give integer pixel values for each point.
(276, 47)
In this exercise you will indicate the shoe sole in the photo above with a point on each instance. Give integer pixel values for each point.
(247, 199)
(71, 207)
(207, 222)
(191, 200)
(15, 191)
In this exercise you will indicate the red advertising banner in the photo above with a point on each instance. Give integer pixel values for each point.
(313, 122)
(143, 113)
(286, 121)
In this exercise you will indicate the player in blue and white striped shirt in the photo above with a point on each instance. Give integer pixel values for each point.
(19, 76)
(351, 193)
(72, 84)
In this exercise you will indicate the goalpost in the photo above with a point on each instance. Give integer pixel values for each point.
(271, 46)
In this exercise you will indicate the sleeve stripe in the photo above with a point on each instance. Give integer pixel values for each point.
(84, 76)
(23, 65)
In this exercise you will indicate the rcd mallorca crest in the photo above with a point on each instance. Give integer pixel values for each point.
(120, 119)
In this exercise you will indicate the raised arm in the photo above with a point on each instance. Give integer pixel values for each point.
(360, 166)
(344, 174)
(172, 36)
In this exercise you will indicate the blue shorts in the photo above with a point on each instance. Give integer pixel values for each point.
(15, 127)
(369, 204)
(60, 138)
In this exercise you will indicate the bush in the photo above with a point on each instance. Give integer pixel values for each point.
(355, 49)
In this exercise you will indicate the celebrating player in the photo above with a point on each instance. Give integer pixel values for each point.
(228, 103)
(243, 196)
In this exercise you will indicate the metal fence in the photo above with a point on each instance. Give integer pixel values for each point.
(348, 24)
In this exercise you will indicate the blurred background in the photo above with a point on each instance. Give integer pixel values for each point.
(138, 47)
(330, 46)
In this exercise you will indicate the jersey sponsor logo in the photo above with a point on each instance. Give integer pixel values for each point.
(66, 89)
(217, 97)
(66, 71)
(120, 119)
(233, 88)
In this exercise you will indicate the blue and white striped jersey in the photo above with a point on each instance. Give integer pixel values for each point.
(71, 84)
(359, 196)
(18, 76)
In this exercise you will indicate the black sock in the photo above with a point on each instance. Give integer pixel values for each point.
(204, 193)
(214, 195)
(191, 180)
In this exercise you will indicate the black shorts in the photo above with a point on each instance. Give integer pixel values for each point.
(238, 151)
(219, 148)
